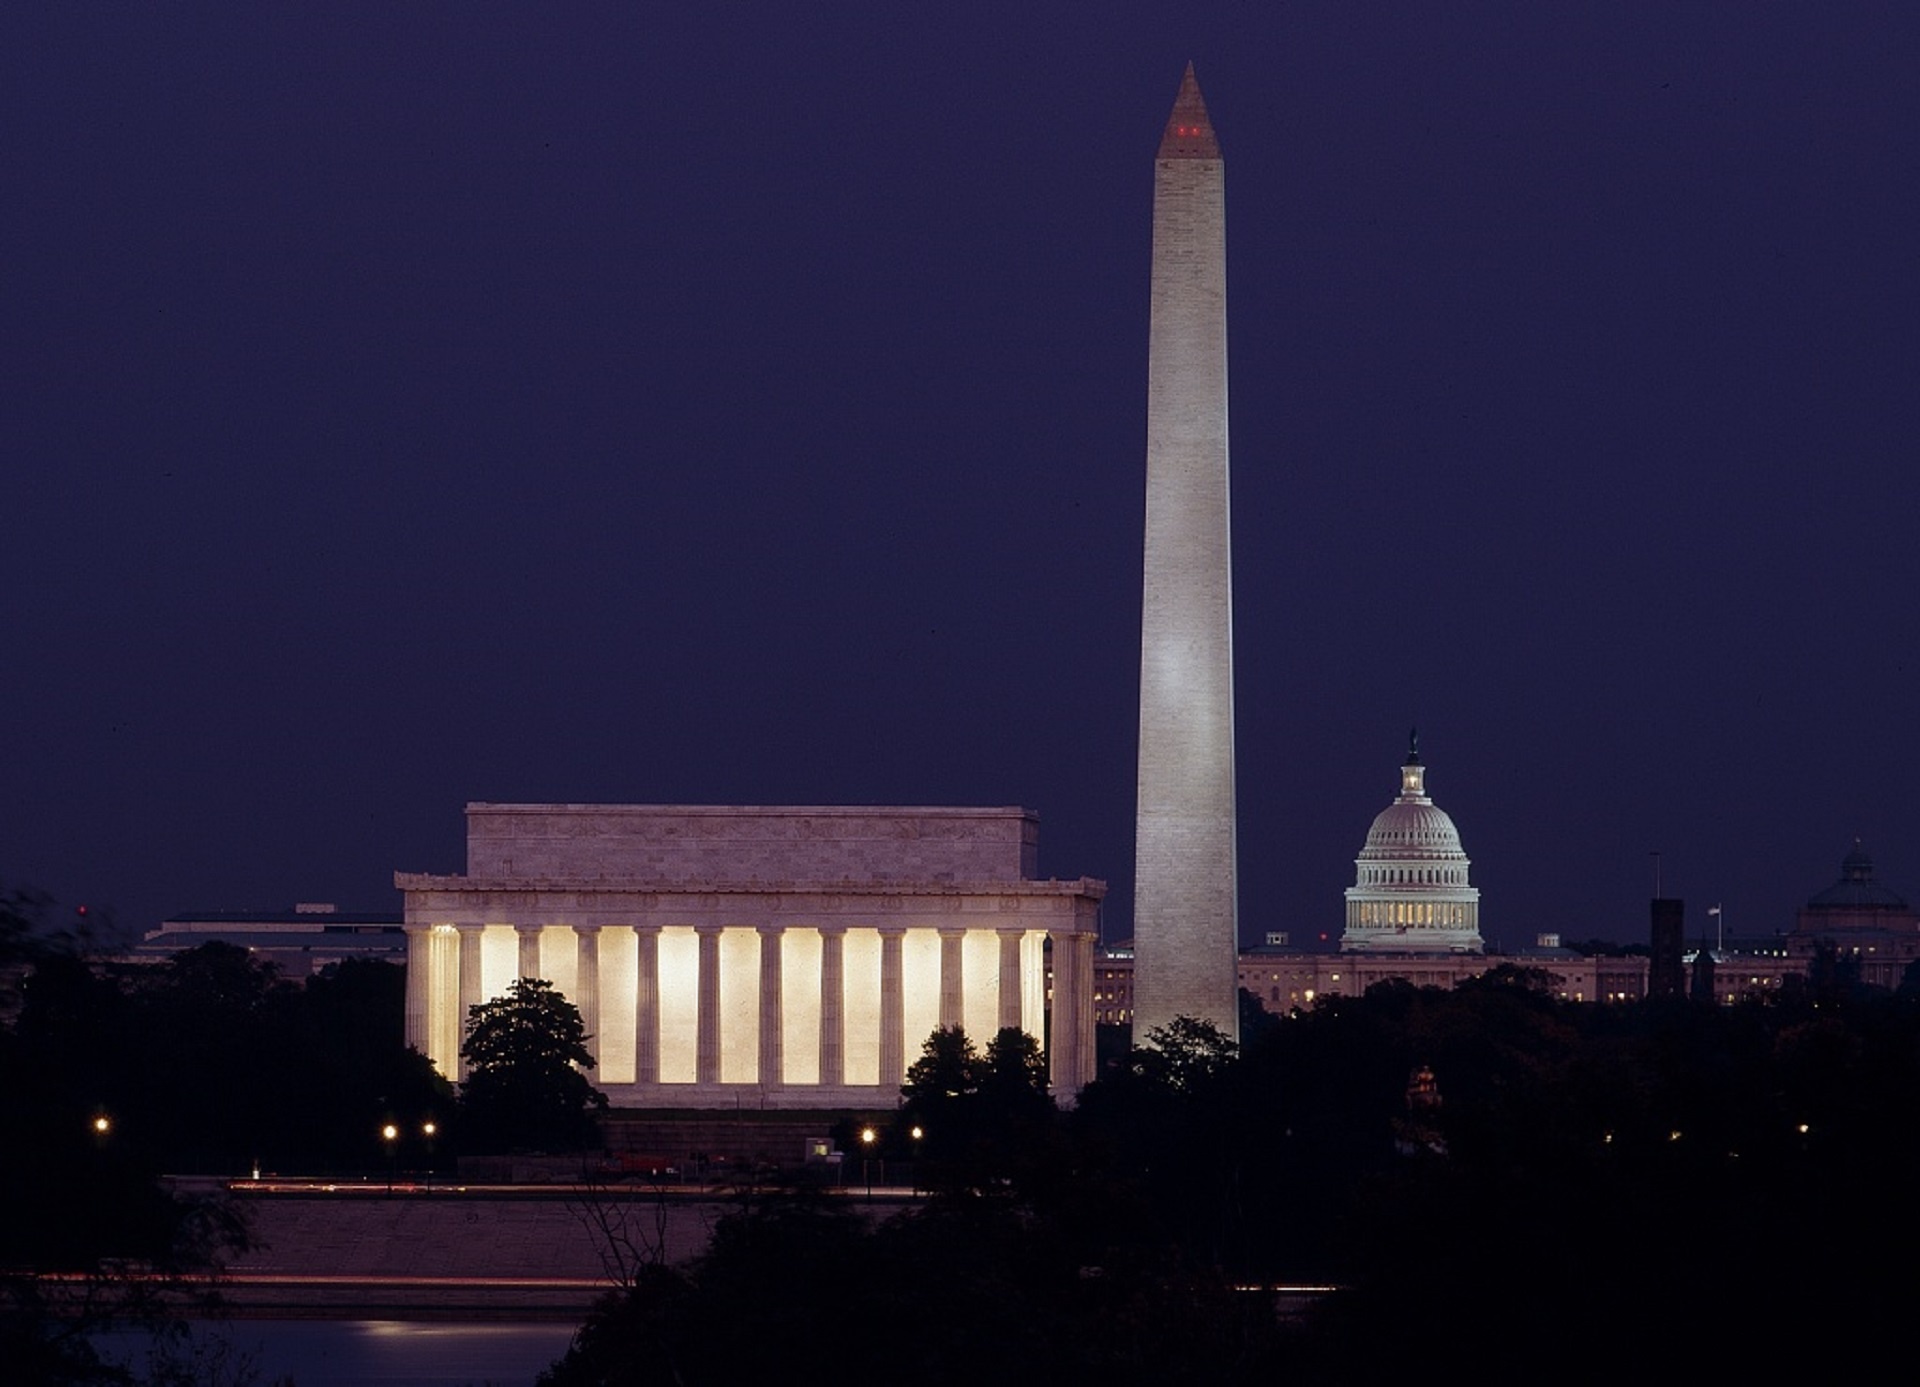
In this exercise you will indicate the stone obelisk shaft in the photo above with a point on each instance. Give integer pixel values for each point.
(1186, 933)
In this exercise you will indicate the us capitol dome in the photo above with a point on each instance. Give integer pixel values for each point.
(1410, 892)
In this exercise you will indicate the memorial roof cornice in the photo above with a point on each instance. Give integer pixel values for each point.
(425, 881)
(722, 811)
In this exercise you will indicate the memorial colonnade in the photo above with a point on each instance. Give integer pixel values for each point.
(787, 994)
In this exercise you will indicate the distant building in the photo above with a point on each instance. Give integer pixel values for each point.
(1412, 916)
(299, 942)
(1861, 919)
(1284, 978)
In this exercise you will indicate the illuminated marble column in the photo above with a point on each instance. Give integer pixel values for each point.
(772, 1028)
(469, 986)
(1070, 1048)
(893, 1016)
(706, 1059)
(646, 1007)
(586, 981)
(529, 962)
(833, 1005)
(952, 976)
(443, 1003)
(1010, 978)
(419, 984)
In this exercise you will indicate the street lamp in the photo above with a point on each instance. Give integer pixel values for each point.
(429, 1130)
(390, 1134)
(867, 1138)
(102, 1125)
(916, 1133)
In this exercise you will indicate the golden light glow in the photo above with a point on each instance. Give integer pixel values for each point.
(980, 1000)
(559, 960)
(103, 1125)
(860, 971)
(679, 997)
(739, 1005)
(390, 1132)
(920, 993)
(800, 1005)
(868, 1136)
(619, 993)
(499, 960)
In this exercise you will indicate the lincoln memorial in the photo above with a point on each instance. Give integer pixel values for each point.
(786, 957)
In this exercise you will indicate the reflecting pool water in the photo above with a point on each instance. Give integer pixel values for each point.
(366, 1353)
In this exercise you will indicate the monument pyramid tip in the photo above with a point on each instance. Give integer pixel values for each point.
(1189, 133)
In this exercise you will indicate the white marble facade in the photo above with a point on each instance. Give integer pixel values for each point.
(786, 957)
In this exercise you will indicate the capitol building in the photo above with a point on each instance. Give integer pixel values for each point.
(1412, 915)
(1411, 891)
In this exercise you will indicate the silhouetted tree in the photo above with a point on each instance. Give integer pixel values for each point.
(79, 1176)
(1186, 1054)
(983, 1117)
(800, 1289)
(524, 1089)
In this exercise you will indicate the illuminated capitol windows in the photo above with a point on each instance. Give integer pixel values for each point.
(796, 957)
(1411, 892)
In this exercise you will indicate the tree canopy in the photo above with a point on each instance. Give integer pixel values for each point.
(524, 1053)
(982, 1117)
(1482, 1171)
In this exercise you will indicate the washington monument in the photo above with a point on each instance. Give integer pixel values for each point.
(1186, 929)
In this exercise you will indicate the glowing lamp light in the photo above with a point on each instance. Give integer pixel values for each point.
(427, 1129)
(390, 1132)
(868, 1136)
(103, 1124)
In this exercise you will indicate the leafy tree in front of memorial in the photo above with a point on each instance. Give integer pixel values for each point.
(939, 1095)
(982, 1116)
(524, 1053)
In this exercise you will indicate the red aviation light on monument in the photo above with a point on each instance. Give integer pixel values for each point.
(1189, 133)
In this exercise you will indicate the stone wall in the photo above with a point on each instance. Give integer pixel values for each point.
(739, 844)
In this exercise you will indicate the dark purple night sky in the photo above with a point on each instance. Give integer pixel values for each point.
(409, 404)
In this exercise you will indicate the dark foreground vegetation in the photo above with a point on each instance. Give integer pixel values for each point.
(209, 1064)
(1508, 1188)
(1504, 1186)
